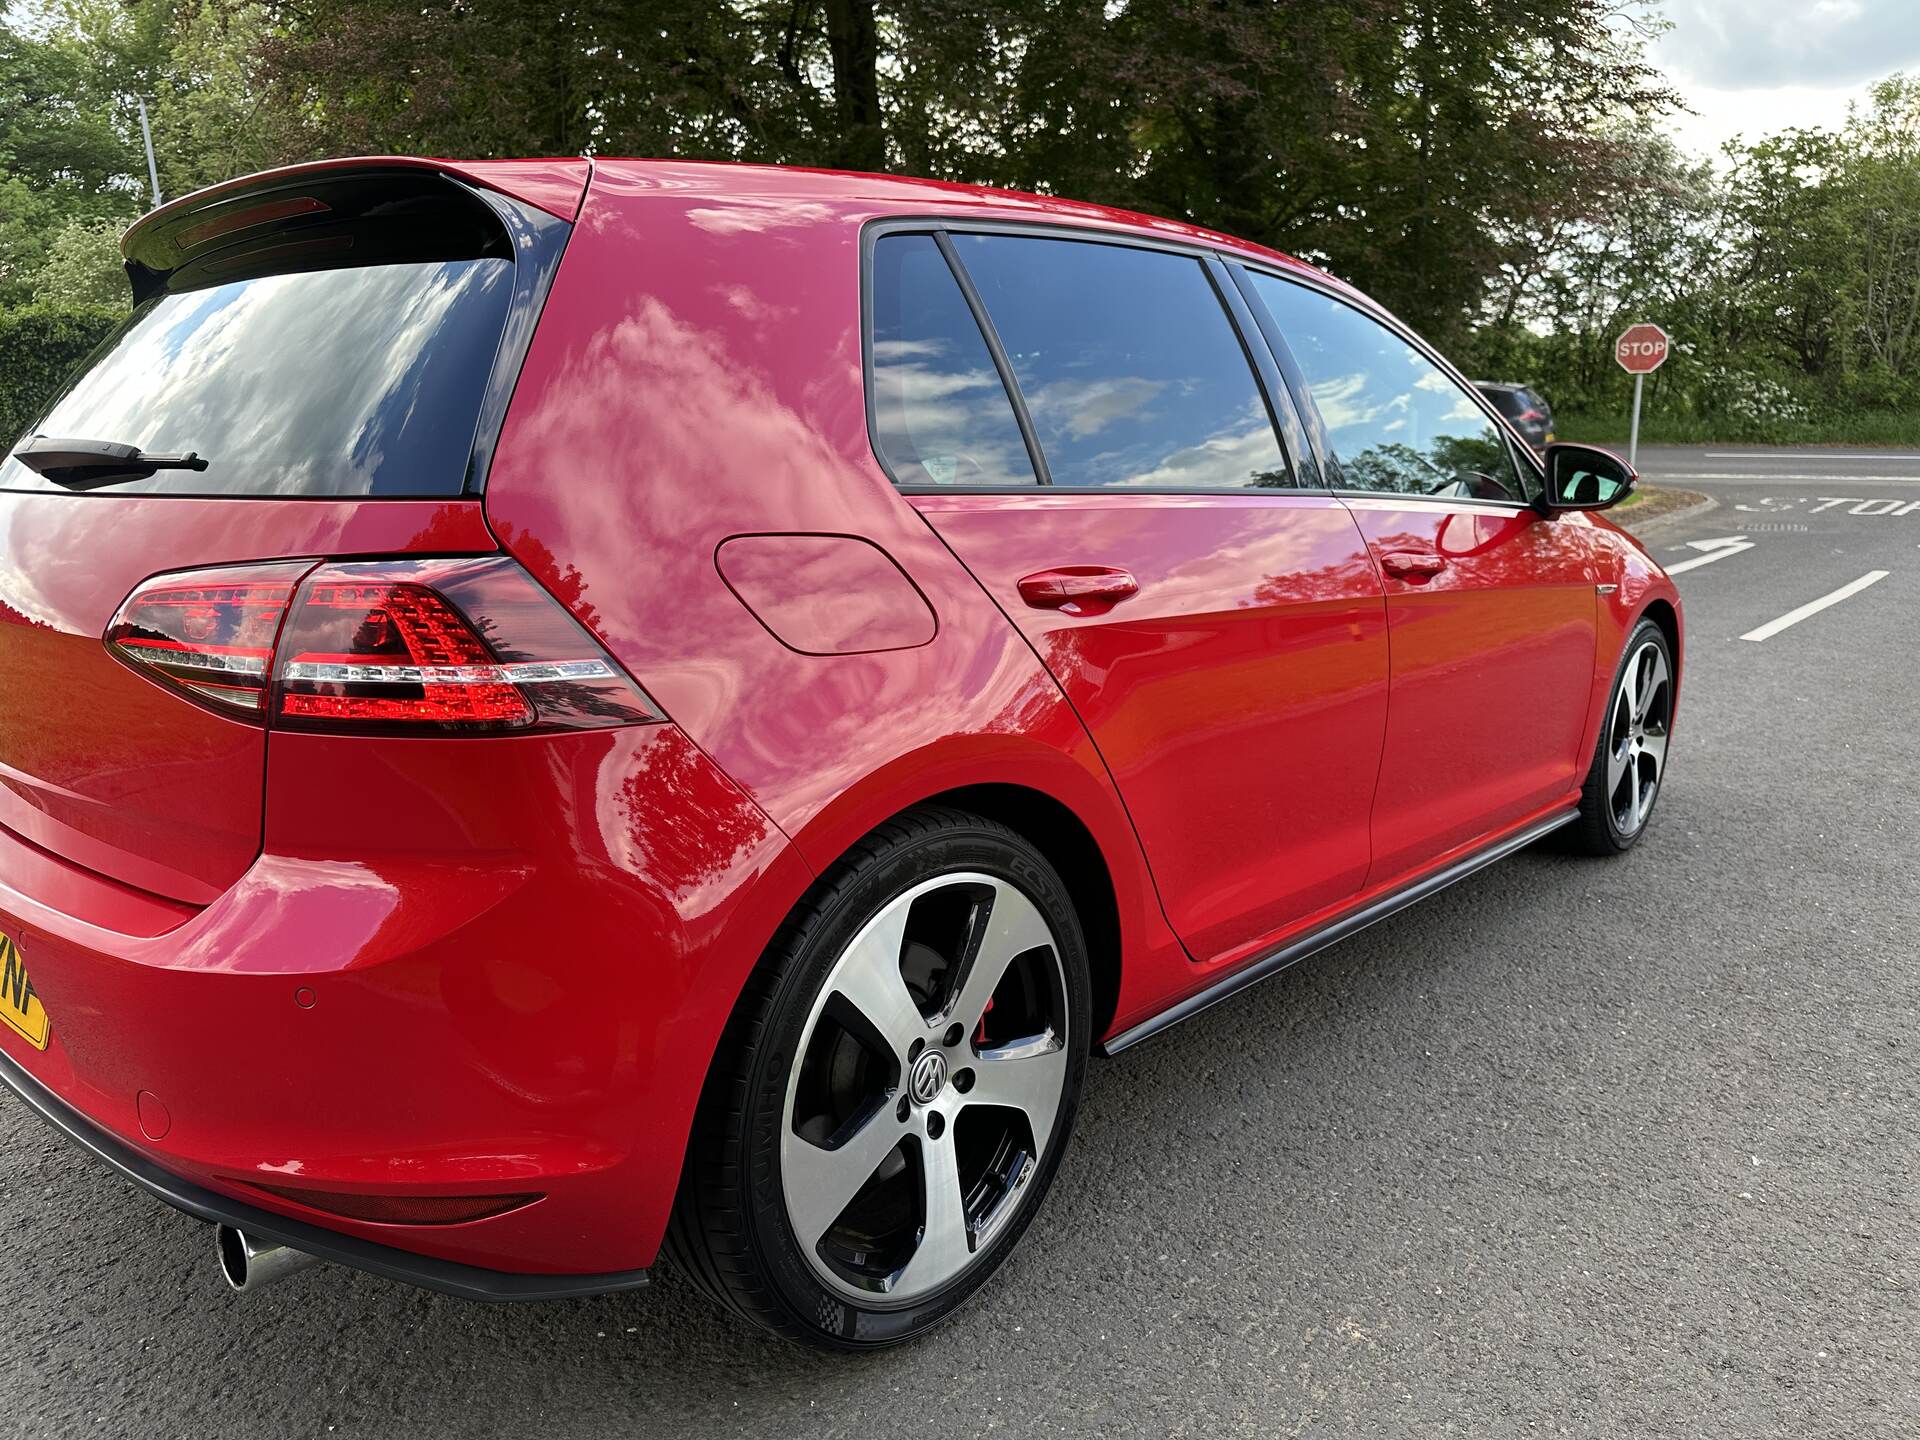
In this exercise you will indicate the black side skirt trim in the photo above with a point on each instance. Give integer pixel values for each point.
(1274, 961)
(469, 1282)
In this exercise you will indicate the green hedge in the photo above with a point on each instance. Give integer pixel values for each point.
(1851, 427)
(39, 348)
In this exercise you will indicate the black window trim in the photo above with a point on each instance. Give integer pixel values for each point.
(1242, 270)
(1260, 362)
(539, 241)
(1023, 417)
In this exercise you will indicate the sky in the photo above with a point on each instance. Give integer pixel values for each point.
(1753, 67)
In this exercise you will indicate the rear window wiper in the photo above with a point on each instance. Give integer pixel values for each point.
(83, 464)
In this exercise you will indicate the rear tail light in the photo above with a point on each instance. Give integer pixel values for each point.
(209, 633)
(433, 646)
(391, 652)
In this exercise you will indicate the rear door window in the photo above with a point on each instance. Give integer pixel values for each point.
(346, 353)
(1129, 365)
(1510, 403)
(1395, 421)
(941, 415)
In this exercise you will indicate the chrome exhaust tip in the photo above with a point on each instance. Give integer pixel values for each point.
(247, 1262)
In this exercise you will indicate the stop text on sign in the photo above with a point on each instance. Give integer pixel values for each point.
(1641, 349)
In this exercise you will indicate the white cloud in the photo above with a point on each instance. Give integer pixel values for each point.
(1739, 45)
(1757, 67)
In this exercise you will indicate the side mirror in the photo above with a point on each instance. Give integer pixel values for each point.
(1585, 477)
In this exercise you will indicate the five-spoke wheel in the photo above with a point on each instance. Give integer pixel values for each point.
(904, 1085)
(926, 1086)
(1637, 735)
(1631, 758)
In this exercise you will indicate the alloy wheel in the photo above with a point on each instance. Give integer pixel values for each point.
(1637, 737)
(925, 1089)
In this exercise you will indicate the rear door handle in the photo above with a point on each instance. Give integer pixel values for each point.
(1412, 564)
(1077, 589)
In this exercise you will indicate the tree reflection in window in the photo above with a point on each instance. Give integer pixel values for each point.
(1396, 422)
(1129, 365)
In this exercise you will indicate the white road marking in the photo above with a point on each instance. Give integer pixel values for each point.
(1718, 549)
(1770, 477)
(1866, 507)
(1823, 455)
(1869, 509)
(1814, 607)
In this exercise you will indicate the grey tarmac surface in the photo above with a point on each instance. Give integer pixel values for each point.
(1620, 1148)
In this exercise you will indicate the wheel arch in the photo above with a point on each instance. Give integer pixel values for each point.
(1661, 611)
(1053, 829)
(1062, 832)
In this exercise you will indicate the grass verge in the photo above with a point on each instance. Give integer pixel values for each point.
(1651, 502)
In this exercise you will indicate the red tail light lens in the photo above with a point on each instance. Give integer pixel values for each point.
(391, 652)
(433, 646)
(449, 645)
(209, 632)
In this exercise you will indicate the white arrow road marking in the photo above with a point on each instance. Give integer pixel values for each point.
(1814, 607)
(1718, 548)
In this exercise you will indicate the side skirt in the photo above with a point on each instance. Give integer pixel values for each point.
(1274, 961)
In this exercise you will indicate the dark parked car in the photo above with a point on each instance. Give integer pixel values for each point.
(1523, 409)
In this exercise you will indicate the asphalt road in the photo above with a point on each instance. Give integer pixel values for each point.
(1620, 1148)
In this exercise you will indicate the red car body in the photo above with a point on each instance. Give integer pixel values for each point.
(369, 969)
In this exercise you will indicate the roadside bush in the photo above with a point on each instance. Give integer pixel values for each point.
(39, 348)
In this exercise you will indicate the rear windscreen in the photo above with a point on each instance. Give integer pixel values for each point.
(350, 332)
(355, 381)
(1507, 402)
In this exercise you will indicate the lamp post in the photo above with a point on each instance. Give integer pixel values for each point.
(146, 134)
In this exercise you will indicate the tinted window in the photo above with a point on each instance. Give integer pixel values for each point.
(1510, 403)
(1394, 419)
(1128, 363)
(361, 381)
(941, 414)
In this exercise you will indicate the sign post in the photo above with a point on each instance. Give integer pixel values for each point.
(1641, 349)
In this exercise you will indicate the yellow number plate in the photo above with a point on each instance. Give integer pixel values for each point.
(20, 1008)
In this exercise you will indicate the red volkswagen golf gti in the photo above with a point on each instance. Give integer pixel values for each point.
(557, 712)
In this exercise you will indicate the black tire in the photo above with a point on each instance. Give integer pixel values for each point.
(1603, 828)
(731, 1232)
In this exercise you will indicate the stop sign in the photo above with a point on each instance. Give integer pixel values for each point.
(1641, 349)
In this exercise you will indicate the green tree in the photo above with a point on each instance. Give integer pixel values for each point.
(1388, 141)
(83, 268)
(1788, 233)
(1879, 212)
(61, 157)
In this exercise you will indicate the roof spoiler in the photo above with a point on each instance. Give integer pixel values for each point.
(163, 239)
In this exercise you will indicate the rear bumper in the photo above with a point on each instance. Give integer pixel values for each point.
(459, 968)
(468, 1282)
